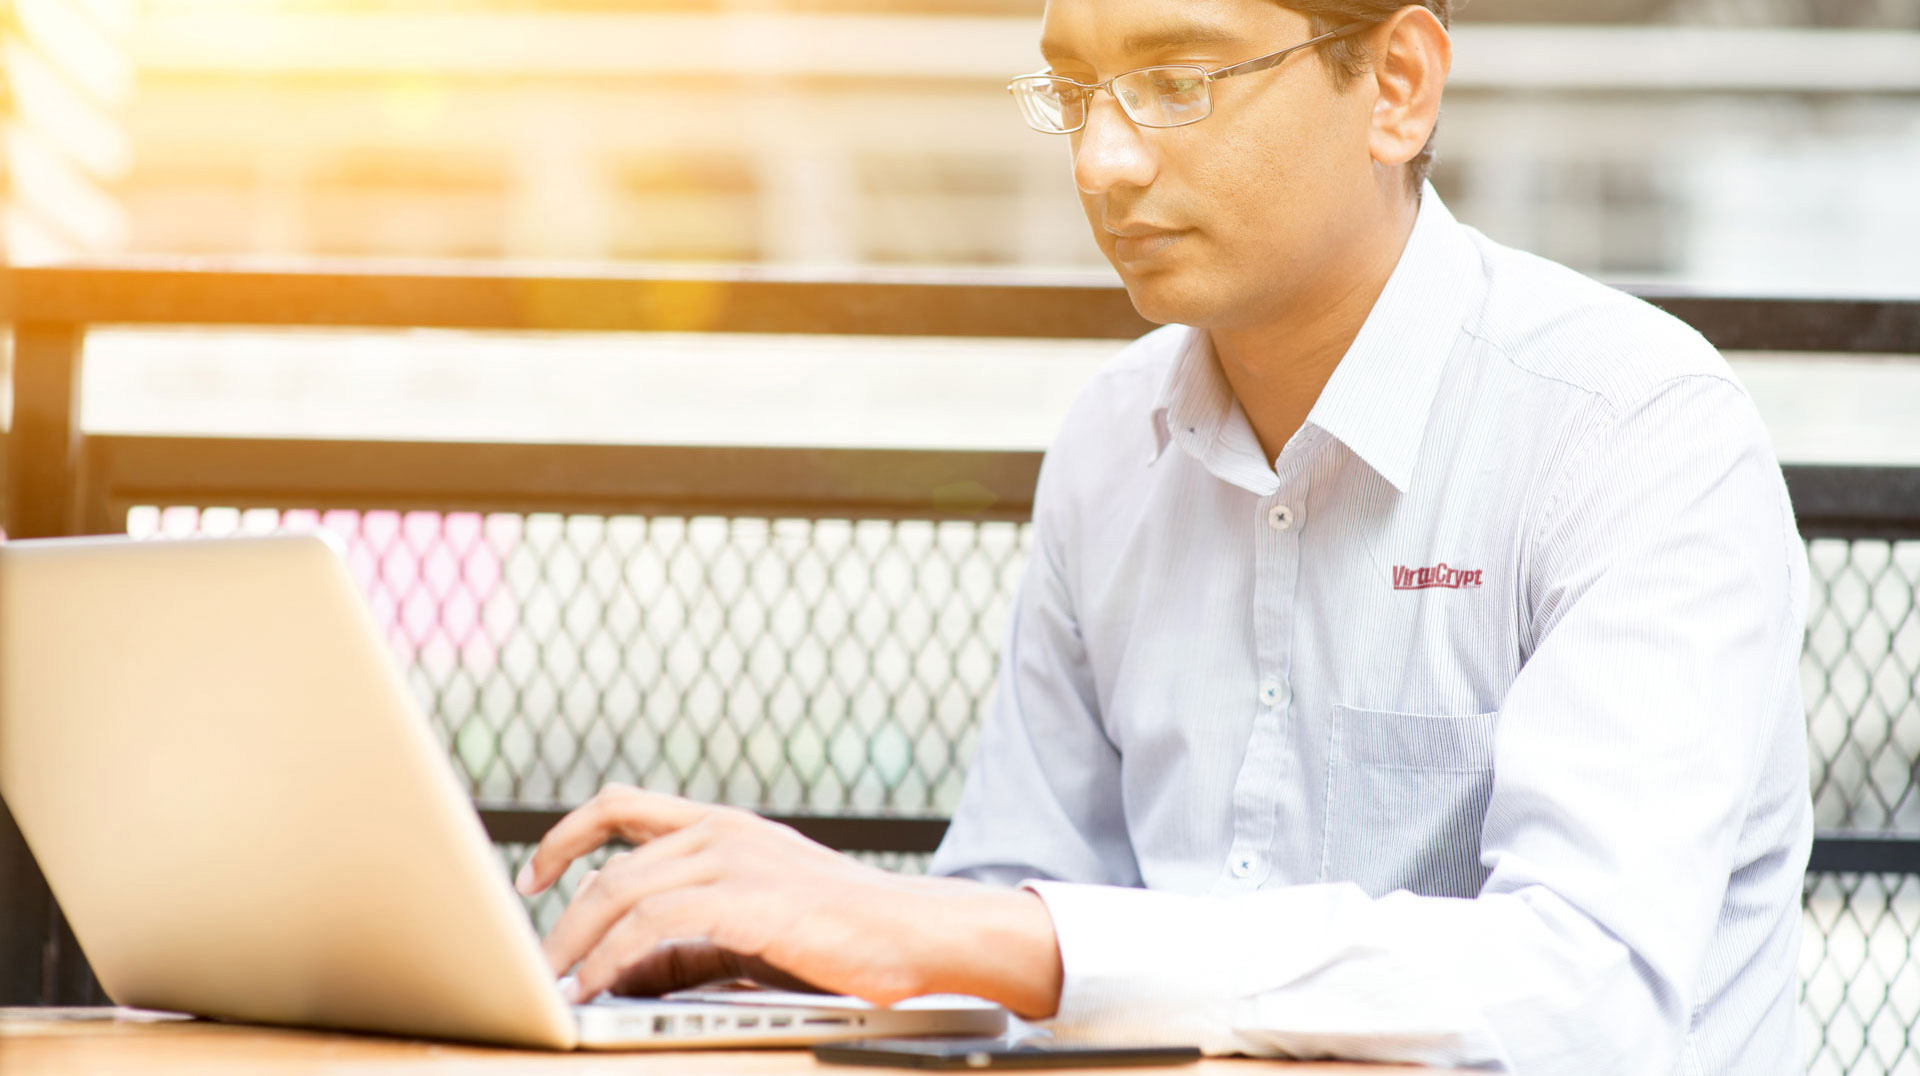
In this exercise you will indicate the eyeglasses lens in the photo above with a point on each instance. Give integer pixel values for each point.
(1152, 97)
(1051, 105)
(1164, 96)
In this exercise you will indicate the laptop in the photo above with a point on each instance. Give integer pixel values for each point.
(233, 796)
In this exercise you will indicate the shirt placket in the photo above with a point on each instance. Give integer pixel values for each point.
(1277, 522)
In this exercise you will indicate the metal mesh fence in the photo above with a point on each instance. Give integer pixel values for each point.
(1860, 670)
(835, 666)
(787, 664)
(1860, 986)
(1861, 673)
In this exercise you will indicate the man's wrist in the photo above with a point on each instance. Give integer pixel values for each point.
(997, 944)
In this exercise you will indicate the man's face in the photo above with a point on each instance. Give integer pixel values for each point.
(1235, 219)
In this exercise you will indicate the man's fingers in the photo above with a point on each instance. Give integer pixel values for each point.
(586, 883)
(617, 812)
(622, 885)
(682, 914)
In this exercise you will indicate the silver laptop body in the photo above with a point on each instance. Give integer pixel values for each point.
(219, 768)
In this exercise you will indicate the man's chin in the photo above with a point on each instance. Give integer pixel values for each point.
(1167, 298)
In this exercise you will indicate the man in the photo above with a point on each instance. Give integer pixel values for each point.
(1406, 667)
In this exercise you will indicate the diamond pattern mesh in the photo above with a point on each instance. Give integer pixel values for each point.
(835, 666)
(1861, 672)
(792, 665)
(1860, 986)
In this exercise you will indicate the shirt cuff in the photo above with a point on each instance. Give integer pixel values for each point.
(1139, 965)
(1120, 981)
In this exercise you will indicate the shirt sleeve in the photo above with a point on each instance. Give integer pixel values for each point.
(1666, 591)
(1020, 817)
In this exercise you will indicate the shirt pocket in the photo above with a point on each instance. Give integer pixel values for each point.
(1406, 798)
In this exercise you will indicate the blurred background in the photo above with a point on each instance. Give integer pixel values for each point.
(1735, 147)
(1731, 145)
(1741, 143)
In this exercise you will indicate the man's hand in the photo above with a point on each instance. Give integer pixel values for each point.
(712, 892)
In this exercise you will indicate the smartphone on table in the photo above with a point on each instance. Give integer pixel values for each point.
(997, 1053)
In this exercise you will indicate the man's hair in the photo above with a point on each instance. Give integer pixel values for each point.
(1347, 57)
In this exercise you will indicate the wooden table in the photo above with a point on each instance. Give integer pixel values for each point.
(85, 1042)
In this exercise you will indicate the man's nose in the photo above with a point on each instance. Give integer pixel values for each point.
(1111, 151)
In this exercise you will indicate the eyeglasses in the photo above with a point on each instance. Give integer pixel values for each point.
(1167, 96)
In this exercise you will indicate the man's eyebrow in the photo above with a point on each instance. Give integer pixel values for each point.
(1172, 37)
(1155, 40)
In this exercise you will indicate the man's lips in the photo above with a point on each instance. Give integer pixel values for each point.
(1137, 229)
(1134, 242)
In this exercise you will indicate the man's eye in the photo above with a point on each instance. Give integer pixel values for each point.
(1179, 85)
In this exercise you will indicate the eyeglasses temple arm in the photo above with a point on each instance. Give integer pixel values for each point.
(1261, 63)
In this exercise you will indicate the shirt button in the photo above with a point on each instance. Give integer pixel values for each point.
(1269, 692)
(1279, 517)
(1243, 866)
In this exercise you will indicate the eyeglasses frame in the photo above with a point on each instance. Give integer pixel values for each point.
(1244, 67)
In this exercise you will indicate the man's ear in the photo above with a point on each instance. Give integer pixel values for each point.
(1411, 56)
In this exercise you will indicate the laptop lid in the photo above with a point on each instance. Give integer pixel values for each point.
(225, 781)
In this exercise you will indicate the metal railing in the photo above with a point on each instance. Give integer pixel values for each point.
(821, 624)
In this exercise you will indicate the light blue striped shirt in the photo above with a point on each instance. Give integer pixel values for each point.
(1467, 730)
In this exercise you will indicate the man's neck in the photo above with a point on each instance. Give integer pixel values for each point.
(1278, 366)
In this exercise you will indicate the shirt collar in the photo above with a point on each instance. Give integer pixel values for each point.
(1194, 399)
(1197, 410)
(1378, 398)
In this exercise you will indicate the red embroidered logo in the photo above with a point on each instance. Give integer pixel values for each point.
(1437, 576)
